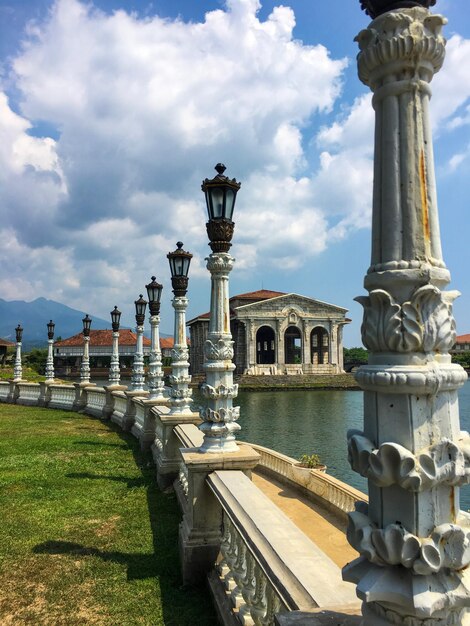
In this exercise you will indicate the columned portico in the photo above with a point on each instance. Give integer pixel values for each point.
(276, 332)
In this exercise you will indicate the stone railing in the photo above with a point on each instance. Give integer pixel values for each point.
(119, 406)
(4, 390)
(95, 401)
(266, 564)
(27, 393)
(332, 493)
(61, 396)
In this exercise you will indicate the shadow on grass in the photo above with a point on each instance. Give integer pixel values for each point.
(139, 566)
(121, 446)
(131, 482)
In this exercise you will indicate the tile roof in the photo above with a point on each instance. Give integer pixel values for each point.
(261, 294)
(5, 342)
(103, 338)
(462, 339)
(168, 342)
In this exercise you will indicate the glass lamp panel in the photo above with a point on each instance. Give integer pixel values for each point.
(229, 202)
(115, 315)
(178, 266)
(217, 201)
(86, 322)
(186, 263)
(19, 333)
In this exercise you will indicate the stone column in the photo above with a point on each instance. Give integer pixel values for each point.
(280, 354)
(85, 366)
(413, 539)
(18, 369)
(50, 361)
(155, 377)
(180, 393)
(219, 418)
(114, 371)
(138, 380)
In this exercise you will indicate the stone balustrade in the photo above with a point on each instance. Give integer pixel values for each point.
(333, 494)
(27, 393)
(95, 401)
(61, 396)
(266, 564)
(261, 564)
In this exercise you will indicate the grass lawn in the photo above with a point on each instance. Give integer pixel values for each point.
(85, 535)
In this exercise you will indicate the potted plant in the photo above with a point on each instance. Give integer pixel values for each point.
(304, 465)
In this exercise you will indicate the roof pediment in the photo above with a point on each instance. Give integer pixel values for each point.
(288, 301)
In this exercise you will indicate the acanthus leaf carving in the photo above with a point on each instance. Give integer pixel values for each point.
(222, 350)
(424, 323)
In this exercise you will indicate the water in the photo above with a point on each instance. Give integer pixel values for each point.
(306, 422)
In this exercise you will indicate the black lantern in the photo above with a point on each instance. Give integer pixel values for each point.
(140, 306)
(154, 293)
(86, 325)
(115, 318)
(180, 261)
(221, 193)
(374, 8)
(50, 330)
(19, 333)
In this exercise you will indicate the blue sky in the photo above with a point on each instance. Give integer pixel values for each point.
(112, 112)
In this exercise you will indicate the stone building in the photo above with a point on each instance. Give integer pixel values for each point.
(278, 333)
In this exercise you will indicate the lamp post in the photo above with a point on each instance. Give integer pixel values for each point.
(114, 372)
(155, 377)
(18, 370)
(85, 366)
(180, 393)
(50, 352)
(138, 380)
(219, 418)
(413, 540)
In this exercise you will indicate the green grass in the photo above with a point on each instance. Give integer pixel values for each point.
(85, 535)
(6, 373)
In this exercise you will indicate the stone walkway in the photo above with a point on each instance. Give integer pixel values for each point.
(321, 526)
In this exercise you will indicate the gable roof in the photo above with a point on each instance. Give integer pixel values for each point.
(462, 339)
(5, 342)
(261, 294)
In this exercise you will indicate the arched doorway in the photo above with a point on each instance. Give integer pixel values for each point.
(293, 345)
(320, 342)
(265, 346)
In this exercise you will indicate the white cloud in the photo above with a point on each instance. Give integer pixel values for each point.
(144, 108)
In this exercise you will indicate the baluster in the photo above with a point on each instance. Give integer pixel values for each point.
(231, 555)
(248, 591)
(239, 571)
(259, 604)
(273, 606)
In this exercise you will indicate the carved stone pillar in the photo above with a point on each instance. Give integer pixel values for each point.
(280, 353)
(138, 380)
(220, 417)
(50, 361)
(155, 377)
(114, 372)
(85, 366)
(180, 393)
(18, 368)
(413, 539)
(250, 344)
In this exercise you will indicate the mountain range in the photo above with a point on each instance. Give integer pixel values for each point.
(34, 316)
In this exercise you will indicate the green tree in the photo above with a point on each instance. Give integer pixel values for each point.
(462, 358)
(36, 359)
(356, 355)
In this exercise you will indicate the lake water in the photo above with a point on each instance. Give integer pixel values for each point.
(304, 422)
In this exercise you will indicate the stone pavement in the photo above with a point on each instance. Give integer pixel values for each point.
(321, 526)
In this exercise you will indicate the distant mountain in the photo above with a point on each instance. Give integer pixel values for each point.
(34, 316)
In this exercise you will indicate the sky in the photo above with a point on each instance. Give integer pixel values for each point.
(113, 111)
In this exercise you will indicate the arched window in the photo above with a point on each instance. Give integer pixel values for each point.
(293, 345)
(265, 346)
(319, 341)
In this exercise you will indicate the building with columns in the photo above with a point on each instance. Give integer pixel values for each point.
(278, 333)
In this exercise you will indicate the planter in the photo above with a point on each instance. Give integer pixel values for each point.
(302, 474)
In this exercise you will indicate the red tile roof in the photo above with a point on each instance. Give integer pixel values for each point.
(463, 339)
(5, 342)
(261, 294)
(103, 338)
